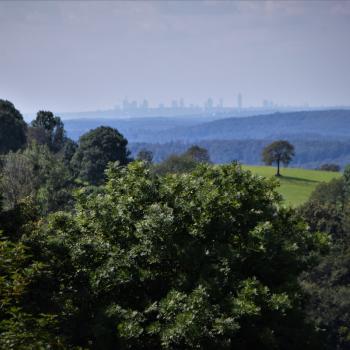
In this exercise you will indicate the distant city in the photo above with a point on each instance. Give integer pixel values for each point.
(210, 106)
(210, 109)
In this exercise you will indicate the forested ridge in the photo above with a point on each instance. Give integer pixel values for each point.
(102, 250)
(319, 136)
(312, 125)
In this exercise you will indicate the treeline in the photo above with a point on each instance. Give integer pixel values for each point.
(308, 154)
(40, 162)
(98, 251)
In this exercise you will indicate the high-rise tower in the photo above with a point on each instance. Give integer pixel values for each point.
(239, 101)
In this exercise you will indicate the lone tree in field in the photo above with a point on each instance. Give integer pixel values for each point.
(278, 152)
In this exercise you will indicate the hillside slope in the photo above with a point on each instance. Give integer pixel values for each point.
(296, 185)
(308, 124)
(305, 124)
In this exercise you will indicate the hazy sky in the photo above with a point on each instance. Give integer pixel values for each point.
(71, 55)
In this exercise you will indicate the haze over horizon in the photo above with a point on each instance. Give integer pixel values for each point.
(78, 56)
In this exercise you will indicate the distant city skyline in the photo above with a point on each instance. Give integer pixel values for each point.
(209, 103)
(89, 55)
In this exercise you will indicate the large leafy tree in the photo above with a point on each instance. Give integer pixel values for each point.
(12, 128)
(203, 260)
(278, 152)
(48, 129)
(96, 149)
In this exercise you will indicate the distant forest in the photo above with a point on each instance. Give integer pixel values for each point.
(309, 154)
(318, 136)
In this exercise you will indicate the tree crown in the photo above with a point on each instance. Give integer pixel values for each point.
(278, 151)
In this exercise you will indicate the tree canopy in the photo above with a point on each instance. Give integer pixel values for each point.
(199, 154)
(96, 149)
(12, 128)
(327, 284)
(278, 152)
(48, 129)
(202, 260)
(185, 162)
(36, 173)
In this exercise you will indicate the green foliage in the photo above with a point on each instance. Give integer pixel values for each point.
(175, 164)
(278, 152)
(329, 297)
(201, 260)
(19, 220)
(67, 152)
(199, 154)
(323, 217)
(21, 329)
(35, 172)
(12, 128)
(331, 192)
(184, 163)
(327, 284)
(49, 130)
(96, 149)
(325, 209)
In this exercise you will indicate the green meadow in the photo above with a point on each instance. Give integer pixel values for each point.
(296, 184)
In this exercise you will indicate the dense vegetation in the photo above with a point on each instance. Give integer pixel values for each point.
(101, 252)
(327, 284)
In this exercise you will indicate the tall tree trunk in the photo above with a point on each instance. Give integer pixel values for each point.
(278, 168)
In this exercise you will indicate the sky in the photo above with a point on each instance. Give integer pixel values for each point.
(79, 56)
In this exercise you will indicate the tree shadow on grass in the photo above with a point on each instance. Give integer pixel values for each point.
(296, 179)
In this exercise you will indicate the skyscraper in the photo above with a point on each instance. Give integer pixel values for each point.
(239, 101)
(144, 104)
(209, 103)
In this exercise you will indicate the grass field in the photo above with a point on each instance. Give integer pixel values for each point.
(296, 184)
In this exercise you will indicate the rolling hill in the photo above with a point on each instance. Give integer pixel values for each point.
(307, 124)
(296, 185)
(327, 124)
(319, 136)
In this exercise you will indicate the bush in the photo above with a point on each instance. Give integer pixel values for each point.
(329, 167)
